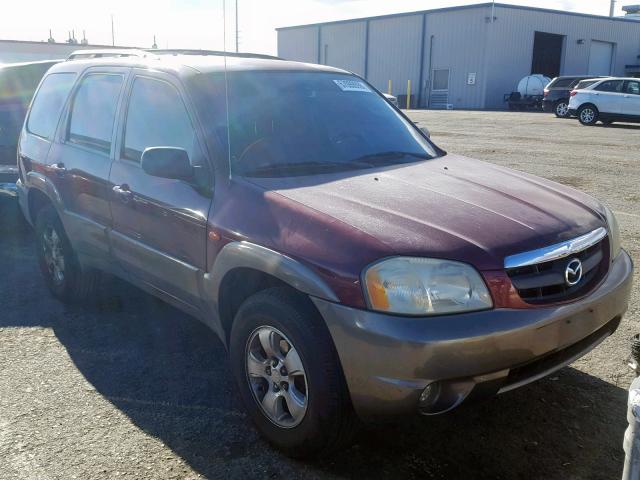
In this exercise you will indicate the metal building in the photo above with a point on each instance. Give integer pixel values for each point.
(14, 51)
(467, 56)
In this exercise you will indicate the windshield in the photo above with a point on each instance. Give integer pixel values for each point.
(301, 123)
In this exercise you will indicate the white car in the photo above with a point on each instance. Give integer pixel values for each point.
(607, 100)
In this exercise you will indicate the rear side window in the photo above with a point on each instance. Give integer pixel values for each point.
(158, 117)
(49, 101)
(610, 86)
(585, 84)
(561, 83)
(94, 111)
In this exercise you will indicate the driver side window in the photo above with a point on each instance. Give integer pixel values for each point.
(158, 117)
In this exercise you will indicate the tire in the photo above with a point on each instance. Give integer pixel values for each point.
(62, 272)
(321, 419)
(561, 109)
(588, 115)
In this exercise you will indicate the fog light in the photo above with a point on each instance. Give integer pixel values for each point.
(429, 395)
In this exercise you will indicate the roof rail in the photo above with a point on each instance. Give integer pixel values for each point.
(194, 51)
(108, 52)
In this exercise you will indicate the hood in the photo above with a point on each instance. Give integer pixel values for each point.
(450, 207)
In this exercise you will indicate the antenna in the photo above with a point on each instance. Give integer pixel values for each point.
(237, 42)
(113, 35)
(226, 81)
(84, 40)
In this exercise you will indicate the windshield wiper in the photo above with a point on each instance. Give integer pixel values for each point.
(298, 168)
(388, 157)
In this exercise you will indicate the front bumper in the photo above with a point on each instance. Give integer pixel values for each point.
(388, 361)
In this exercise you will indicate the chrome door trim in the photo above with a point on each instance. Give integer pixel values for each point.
(556, 251)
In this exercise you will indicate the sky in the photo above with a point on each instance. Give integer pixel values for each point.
(199, 23)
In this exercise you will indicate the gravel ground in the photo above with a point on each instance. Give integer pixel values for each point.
(130, 387)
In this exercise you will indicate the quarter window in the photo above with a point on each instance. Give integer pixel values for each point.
(48, 104)
(158, 117)
(94, 111)
(610, 86)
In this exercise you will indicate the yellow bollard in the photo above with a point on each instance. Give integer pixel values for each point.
(408, 94)
(389, 90)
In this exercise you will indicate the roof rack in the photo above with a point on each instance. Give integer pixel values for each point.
(193, 51)
(108, 52)
(138, 52)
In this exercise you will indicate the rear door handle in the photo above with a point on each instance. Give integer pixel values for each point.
(59, 168)
(124, 194)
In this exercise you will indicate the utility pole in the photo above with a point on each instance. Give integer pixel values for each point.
(113, 35)
(237, 41)
(612, 9)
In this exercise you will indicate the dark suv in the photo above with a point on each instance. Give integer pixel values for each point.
(556, 94)
(351, 267)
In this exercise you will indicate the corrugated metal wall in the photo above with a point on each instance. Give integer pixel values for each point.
(511, 43)
(456, 41)
(394, 52)
(343, 45)
(299, 44)
(462, 40)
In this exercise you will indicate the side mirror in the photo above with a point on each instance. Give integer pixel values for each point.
(425, 131)
(167, 162)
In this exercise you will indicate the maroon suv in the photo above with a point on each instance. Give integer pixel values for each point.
(352, 268)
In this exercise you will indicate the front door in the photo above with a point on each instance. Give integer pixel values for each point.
(631, 98)
(159, 224)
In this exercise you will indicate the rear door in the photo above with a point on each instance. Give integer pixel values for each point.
(608, 96)
(159, 230)
(80, 159)
(631, 98)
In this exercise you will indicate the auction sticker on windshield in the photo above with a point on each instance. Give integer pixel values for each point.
(352, 86)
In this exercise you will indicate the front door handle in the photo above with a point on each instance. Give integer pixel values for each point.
(59, 168)
(123, 193)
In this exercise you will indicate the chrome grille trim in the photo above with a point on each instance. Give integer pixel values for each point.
(556, 251)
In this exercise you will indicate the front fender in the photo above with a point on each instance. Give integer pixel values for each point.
(249, 255)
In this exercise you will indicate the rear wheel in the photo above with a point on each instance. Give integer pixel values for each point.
(289, 376)
(588, 115)
(57, 260)
(562, 109)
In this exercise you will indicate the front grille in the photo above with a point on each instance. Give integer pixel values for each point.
(545, 282)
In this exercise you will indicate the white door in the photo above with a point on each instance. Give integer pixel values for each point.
(439, 96)
(600, 58)
(608, 96)
(631, 98)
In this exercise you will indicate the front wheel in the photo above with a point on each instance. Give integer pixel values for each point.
(588, 115)
(562, 109)
(289, 376)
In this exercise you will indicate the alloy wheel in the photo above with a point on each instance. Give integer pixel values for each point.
(587, 115)
(53, 255)
(562, 109)
(276, 376)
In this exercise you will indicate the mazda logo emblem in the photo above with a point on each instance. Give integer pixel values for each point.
(573, 272)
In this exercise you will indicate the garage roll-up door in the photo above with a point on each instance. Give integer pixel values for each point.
(600, 58)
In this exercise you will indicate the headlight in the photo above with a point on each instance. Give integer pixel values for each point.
(614, 233)
(424, 286)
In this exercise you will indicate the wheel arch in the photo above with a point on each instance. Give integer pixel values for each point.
(242, 269)
(41, 192)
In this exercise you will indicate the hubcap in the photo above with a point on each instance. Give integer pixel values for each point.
(587, 115)
(53, 256)
(276, 376)
(562, 109)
